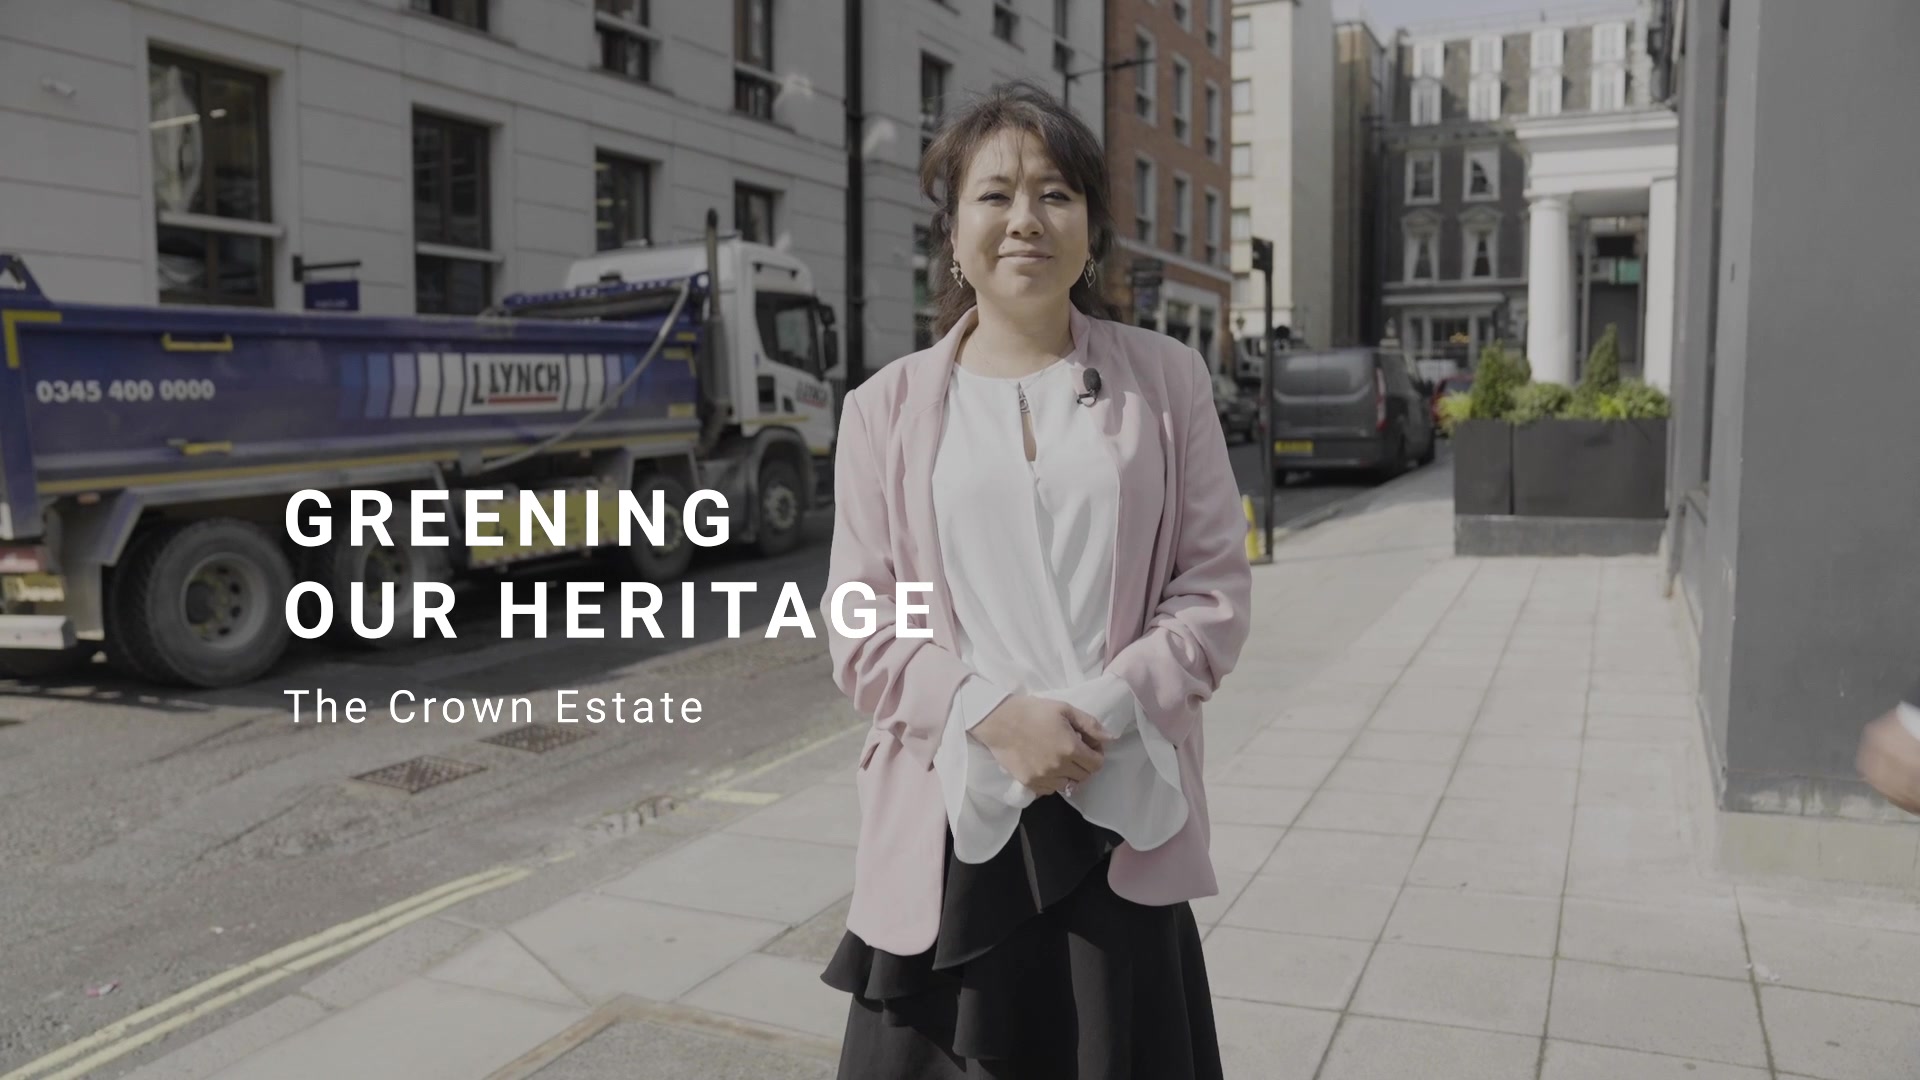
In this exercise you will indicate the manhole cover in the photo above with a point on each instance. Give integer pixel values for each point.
(537, 738)
(418, 774)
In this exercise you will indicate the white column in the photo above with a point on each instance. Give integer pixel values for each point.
(1549, 290)
(1662, 245)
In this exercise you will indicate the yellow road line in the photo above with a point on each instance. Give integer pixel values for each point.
(270, 968)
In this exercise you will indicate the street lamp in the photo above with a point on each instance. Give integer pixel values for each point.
(1067, 77)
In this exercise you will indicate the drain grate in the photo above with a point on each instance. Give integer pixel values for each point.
(418, 774)
(537, 738)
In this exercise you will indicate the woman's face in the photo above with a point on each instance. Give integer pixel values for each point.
(1020, 233)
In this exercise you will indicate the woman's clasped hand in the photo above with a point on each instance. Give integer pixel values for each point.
(1046, 745)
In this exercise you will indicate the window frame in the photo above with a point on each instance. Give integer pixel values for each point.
(1234, 154)
(1182, 11)
(437, 9)
(1214, 248)
(1146, 211)
(1429, 54)
(1412, 237)
(207, 221)
(1214, 114)
(1484, 98)
(1182, 238)
(1242, 41)
(610, 29)
(744, 192)
(616, 164)
(1545, 84)
(1415, 157)
(1212, 28)
(943, 71)
(1615, 32)
(1479, 54)
(1237, 84)
(1182, 99)
(1240, 214)
(1146, 90)
(443, 249)
(1470, 233)
(1005, 14)
(1556, 55)
(1607, 82)
(1425, 106)
(1488, 156)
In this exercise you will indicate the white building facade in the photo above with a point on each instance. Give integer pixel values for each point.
(165, 151)
(1282, 101)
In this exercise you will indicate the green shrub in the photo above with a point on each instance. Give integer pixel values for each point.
(1602, 373)
(1499, 375)
(1638, 401)
(1539, 401)
(1453, 409)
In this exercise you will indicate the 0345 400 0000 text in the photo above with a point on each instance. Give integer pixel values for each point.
(851, 610)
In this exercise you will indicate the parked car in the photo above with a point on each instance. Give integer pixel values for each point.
(1239, 411)
(1452, 384)
(1350, 409)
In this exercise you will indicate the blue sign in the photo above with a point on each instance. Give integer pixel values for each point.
(333, 295)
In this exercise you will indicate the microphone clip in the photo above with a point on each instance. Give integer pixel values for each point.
(1092, 391)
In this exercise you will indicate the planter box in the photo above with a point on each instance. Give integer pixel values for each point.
(1483, 467)
(1590, 469)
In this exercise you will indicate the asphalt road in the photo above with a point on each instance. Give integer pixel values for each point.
(154, 838)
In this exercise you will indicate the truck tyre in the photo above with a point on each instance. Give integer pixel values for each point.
(341, 567)
(203, 604)
(48, 663)
(667, 561)
(782, 508)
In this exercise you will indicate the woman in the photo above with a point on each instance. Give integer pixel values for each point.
(1033, 823)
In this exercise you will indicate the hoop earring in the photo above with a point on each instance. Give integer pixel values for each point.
(959, 278)
(1090, 272)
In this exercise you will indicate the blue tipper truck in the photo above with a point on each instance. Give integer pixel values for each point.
(147, 454)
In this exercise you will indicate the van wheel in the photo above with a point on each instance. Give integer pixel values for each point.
(782, 508)
(202, 604)
(48, 663)
(666, 561)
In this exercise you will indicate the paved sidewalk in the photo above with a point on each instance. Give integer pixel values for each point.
(1461, 815)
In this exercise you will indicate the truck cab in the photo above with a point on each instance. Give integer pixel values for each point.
(774, 344)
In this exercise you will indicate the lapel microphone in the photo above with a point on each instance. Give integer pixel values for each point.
(1092, 380)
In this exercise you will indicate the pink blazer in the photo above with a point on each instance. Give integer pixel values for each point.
(1181, 589)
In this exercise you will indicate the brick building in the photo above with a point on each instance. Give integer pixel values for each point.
(1167, 140)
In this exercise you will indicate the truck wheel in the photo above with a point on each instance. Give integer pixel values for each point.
(341, 567)
(782, 508)
(667, 561)
(47, 663)
(203, 604)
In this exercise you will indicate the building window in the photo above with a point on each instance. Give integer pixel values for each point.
(1062, 57)
(1207, 325)
(1213, 228)
(1423, 176)
(1182, 214)
(1145, 196)
(1243, 31)
(1242, 96)
(1483, 98)
(1143, 89)
(1609, 91)
(1429, 60)
(465, 12)
(1549, 48)
(933, 91)
(1483, 175)
(1180, 321)
(622, 202)
(1242, 159)
(627, 41)
(1486, 55)
(753, 213)
(1420, 255)
(450, 216)
(1213, 25)
(1182, 14)
(1610, 43)
(1543, 94)
(1005, 23)
(208, 131)
(1242, 223)
(1062, 9)
(1426, 102)
(1482, 251)
(1213, 122)
(754, 87)
(1242, 289)
(1182, 100)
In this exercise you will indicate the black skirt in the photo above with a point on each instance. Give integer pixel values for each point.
(1039, 970)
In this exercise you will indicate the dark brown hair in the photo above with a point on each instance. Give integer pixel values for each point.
(1075, 151)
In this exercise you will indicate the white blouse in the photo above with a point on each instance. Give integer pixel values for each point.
(1028, 553)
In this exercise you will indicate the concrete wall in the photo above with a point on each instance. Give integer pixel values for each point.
(1811, 606)
(345, 78)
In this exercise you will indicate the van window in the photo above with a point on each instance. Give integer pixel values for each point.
(789, 331)
(1323, 374)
